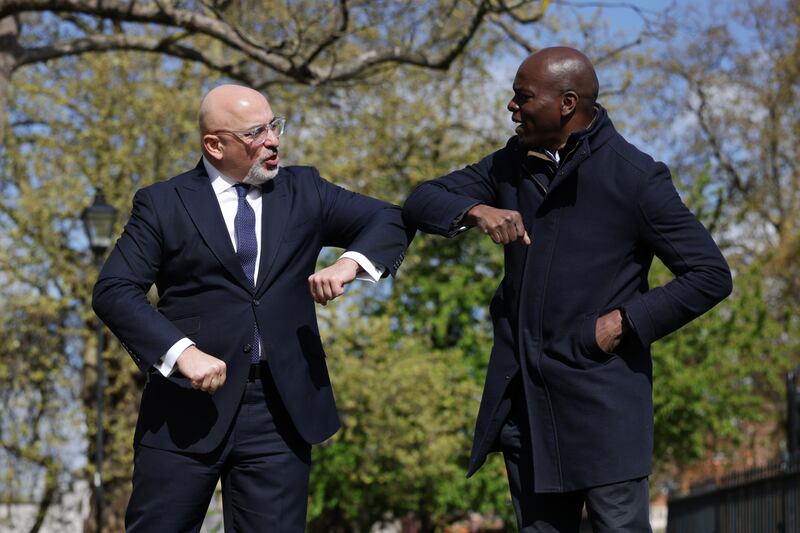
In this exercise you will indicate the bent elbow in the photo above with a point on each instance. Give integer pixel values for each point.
(723, 282)
(100, 298)
(726, 285)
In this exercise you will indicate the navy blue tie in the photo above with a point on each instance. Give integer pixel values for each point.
(244, 226)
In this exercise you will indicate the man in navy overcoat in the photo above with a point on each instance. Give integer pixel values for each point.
(581, 214)
(237, 387)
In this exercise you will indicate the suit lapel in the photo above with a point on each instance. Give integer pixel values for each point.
(200, 202)
(275, 210)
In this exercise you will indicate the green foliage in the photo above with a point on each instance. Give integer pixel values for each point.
(719, 380)
(721, 376)
(137, 125)
(408, 375)
(729, 78)
(407, 412)
(419, 126)
(407, 357)
(134, 126)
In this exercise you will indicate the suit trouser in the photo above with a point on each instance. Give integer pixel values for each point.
(619, 507)
(263, 463)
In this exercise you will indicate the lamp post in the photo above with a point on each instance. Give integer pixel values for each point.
(793, 413)
(98, 221)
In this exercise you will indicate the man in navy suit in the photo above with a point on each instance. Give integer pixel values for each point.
(580, 213)
(237, 387)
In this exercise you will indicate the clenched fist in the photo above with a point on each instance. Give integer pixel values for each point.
(502, 225)
(329, 282)
(205, 372)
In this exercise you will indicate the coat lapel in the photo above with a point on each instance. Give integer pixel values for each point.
(200, 202)
(529, 196)
(567, 172)
(275, 210)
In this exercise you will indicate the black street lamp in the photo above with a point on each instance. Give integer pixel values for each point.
(98, 221)
(793, 413)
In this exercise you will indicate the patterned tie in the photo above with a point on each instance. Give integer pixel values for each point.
(244, 226)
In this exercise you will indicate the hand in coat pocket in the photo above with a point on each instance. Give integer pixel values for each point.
(609, 330)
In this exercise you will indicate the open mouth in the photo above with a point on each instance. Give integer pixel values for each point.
(270, 160)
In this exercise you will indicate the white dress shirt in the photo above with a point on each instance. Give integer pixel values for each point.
(229, 202)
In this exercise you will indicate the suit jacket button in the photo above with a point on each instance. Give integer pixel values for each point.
(246, 348)
(256, 303)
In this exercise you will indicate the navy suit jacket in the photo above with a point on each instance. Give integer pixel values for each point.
(176, 239)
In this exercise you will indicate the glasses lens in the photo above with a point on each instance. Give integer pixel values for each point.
(261, 135)
(277, 125)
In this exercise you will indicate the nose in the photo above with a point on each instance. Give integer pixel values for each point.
(512, 106)
(271, 139)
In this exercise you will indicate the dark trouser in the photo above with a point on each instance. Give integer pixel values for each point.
(620, 507)
(263, 463)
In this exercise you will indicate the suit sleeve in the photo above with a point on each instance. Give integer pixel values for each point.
(437, 206)
(363, 224)
(120, 295)
(702, 276)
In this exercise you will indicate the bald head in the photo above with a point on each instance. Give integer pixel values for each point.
(566, 69)
(555, 91)
(230, 107)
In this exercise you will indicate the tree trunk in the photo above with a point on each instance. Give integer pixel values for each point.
(9, 33)
(48, 498)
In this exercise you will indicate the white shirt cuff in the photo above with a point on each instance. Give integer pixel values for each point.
(167, 364)
(371, 271)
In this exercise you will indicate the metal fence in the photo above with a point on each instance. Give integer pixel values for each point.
(761, 500)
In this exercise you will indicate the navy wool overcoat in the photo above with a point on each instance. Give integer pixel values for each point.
(595, 229)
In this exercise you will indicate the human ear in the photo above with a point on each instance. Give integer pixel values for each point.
(212, 145)
(569, 102)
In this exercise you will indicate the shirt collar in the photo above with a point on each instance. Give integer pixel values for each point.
(219, 181)
(544, 155)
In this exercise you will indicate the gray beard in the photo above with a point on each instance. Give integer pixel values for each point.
(258, 175)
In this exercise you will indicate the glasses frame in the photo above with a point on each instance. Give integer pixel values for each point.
(276, 126)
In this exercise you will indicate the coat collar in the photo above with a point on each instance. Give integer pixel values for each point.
(579, 147)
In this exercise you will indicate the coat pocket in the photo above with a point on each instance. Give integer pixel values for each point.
(588, 340)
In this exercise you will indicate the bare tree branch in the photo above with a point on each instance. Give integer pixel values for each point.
(9, 49)
(611, 54)
(410, 57)
(220, 30)
(344, 19)
(123, 42)
(512, 33)
(510, 10)
(78, 23)
(716, 147)
(161, 15)
(621, 5)
(310, 58)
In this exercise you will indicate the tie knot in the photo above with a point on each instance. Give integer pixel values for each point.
(242, 189)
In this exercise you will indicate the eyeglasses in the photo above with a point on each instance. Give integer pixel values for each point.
(258, 134)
